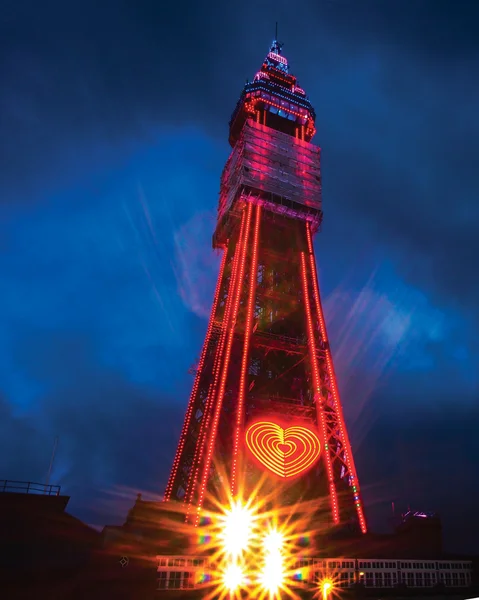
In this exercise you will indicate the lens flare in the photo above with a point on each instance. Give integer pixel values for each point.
(236, 530)
(273, 542)
(326, 587)
(233, 577)
(272, 576)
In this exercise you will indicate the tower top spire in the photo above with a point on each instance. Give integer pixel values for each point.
(274, 90)
(276, 45)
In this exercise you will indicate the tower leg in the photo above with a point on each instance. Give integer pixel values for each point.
(338, 454)
(218, 400)
(218, 359)
(239, 426)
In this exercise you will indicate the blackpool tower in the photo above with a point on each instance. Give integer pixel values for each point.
(265, 401)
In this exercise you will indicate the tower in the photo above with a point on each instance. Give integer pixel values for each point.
(265, 401)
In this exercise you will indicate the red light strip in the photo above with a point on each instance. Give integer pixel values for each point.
(334, 387)
(278, 75)
(245, 358)
(191, 402)
(215, 374)
(251, 106)
(285, 452)
(229, 343)
(317, 393)
(288, 110)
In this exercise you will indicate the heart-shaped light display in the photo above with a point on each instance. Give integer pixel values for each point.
(285, 452)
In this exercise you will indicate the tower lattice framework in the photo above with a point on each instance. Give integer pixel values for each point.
(265, 383)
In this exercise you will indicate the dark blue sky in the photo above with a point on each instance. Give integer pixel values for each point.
(113, 134)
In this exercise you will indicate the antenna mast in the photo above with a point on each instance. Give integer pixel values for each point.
(55, 444)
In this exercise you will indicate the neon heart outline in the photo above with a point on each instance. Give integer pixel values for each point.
(264, 438)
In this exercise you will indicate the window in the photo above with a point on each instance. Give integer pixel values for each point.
(162, 580)
(344, 580)
(188, 580)
(174, 580)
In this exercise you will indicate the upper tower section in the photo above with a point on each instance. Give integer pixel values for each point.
(273, 162)
(274, 99)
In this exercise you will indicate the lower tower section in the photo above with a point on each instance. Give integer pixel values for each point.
(265, 412)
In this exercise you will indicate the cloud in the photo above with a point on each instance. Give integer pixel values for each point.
(99, 78)
(197, 265)
(112, 433)
(414, 457)
(113, 133)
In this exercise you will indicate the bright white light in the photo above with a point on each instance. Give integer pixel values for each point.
(233, 577)
(273, 542)
(236, 531)
(326, 587)
(272, 576)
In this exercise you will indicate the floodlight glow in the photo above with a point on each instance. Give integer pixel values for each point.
(233, 577)
(326, 586)
(236, 531)
(273, 542)
(272, 576)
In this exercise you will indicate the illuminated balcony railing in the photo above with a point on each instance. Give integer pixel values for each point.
(28, 487)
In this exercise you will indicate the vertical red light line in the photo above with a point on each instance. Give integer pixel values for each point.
(229, 343)
(191, 402)
(334, 387)
(245, 358)
(317, 394)
(216, 369)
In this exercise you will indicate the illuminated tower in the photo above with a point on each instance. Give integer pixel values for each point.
(265, 401)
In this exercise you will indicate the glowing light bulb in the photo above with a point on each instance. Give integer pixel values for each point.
(273, 542)
(326, 587)
(236, 531)
(233, 577)
(272, 576)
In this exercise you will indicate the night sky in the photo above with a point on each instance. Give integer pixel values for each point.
(113, 134)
